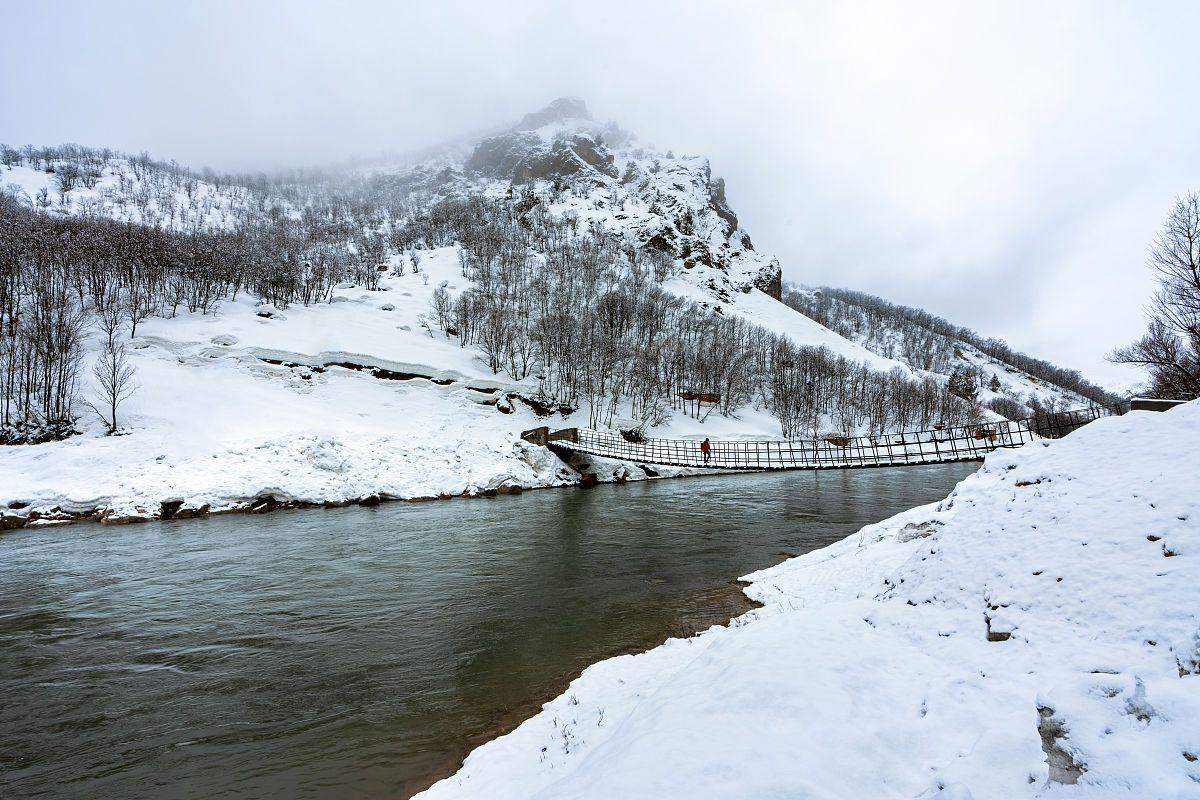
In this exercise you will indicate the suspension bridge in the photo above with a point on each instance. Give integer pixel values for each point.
(938, 445)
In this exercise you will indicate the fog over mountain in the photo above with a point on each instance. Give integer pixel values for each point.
(1005, 166)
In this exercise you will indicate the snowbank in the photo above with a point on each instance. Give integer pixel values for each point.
(1039, 623)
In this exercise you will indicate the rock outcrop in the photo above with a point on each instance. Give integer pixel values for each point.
(660, 202)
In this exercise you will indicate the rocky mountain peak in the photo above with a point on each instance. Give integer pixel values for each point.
(560, 110)
(656, 200)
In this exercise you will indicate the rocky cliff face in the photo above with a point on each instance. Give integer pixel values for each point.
(657, 200)
(524, 157)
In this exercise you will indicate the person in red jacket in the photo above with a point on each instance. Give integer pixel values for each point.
(706, 449)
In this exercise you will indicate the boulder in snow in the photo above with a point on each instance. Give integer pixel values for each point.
(1063, 767)
(915, 530)
(191, 511)
(125, 515)
(10, 522)
(269, 312)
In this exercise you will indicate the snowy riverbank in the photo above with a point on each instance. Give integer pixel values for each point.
(1037, 627)
(328, 404)
(356, 399)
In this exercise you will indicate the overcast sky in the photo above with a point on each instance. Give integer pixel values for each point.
(1005, 165)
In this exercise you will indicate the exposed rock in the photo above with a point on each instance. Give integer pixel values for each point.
(1063, 766)
(917, 530)
(191, 512)
(633, 435)
(770, 280)
(387, 307)
(697, 253)
(1137, 706)
(125, 516)
(269, 312)
(501, 155)
(52, 513)
(170, 508)
(540, 408)
(999, 628)
(523, 157)
(593, 154)
(663, 240)
(264, 504)
(9, 522)
(370, 500)
(994, 635)
(580, 154)
(718, 203)
(49, 523)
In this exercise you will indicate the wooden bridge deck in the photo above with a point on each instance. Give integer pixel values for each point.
(935, 446)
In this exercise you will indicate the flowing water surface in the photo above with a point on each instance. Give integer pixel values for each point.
(359, 652)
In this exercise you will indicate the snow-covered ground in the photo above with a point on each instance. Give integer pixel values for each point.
(234, 406)
(121, 194)
(1038, 626)
(773, 315)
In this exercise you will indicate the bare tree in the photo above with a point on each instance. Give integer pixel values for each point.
(443, 309)
(141, 304)
(1170, 350)
(115, 378)
(110, 313)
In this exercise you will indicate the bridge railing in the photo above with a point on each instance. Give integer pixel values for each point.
(938, 444)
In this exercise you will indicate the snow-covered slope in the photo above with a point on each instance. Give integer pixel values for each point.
(329, 403)
(1011, 381)
(1038, 627)
(235, 407)
(250, 401)
(127, 191)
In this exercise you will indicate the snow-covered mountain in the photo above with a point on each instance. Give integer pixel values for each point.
(388, 330)
(1011, 383)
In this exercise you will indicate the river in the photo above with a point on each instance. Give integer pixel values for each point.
(361, 652)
